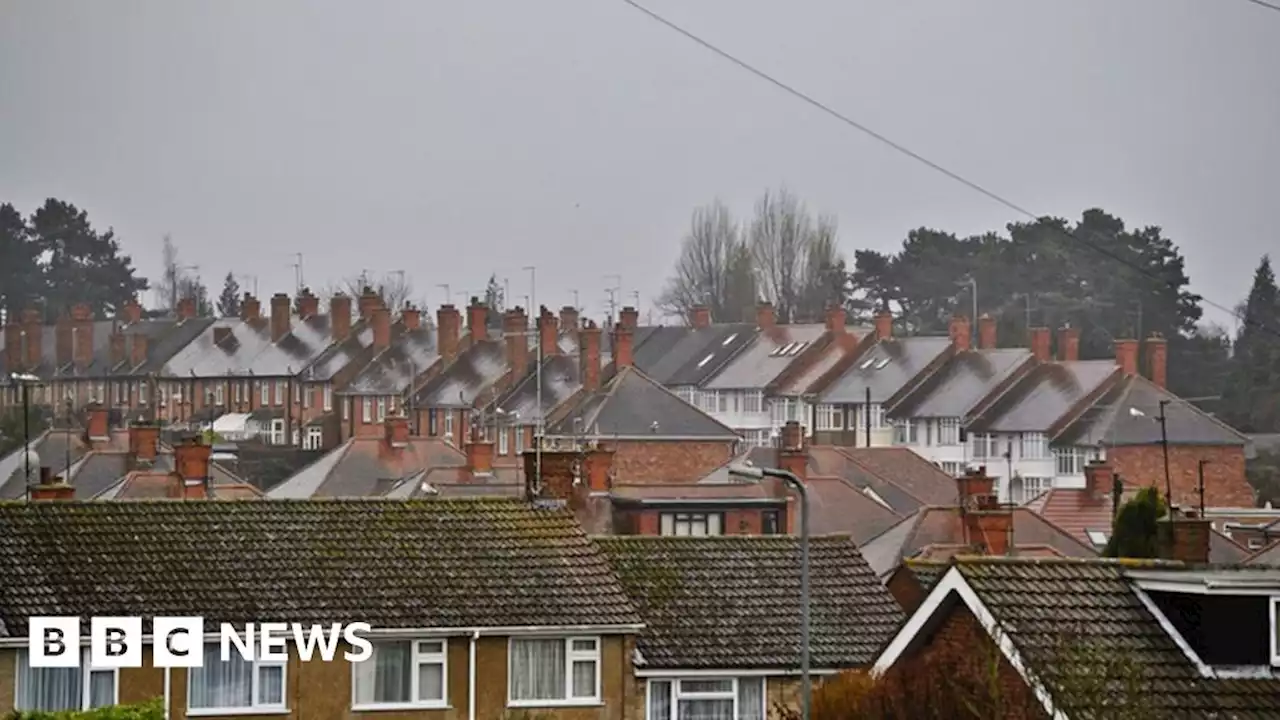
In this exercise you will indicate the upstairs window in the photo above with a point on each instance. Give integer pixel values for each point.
(366, 409)
(1071, 460)
(55, 689)
(681, 524)
(830, 417)
(504, 435)
(985, 446)
(328, 398)
(264, 392)
(1033, 446)
(753, 401)
(905, 432)
(382, 409)
(280, 392)
(219, 394)
(948, 431)
(554, 671)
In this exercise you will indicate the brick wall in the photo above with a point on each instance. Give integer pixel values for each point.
(668, 461)
(1224, 479)
(904, 586)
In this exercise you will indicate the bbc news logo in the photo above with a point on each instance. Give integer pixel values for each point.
(117, 642)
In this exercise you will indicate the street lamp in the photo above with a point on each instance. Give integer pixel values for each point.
(27, 381)
(756, 474)
(537, 380)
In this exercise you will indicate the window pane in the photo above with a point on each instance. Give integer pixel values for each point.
(537, 669)
(706, 709)
(271, 685)
(102, 688)
(713, 525)
(584, 645)
(659, 700)
(706, 686)
(46, 688)
(386, 677)
(431, 681)
(221, 684)
(668, 524)
(584, 678)
(750, 699)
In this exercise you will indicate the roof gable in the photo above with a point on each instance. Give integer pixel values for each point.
(633, 405)
(1109, 420)
(403, 564)
(885, 369)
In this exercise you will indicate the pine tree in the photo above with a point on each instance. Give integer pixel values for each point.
(1252, 398)
(84, 265)
(229, 300)
(21, 279)
(1134, 534)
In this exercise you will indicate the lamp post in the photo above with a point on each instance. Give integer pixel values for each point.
(26, 380)
(1164, 446)
(537, 380)
(756, 474)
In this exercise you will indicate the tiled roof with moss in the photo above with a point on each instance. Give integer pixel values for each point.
(404, 564)
(734, 601)
(1064, 613)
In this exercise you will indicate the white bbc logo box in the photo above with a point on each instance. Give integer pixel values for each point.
(114, 642)
(117, 642)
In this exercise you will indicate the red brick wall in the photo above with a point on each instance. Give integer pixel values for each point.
(668, 461)
(1224, 479)
(905, 588)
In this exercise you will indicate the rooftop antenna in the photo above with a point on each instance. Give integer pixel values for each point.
(614, 291)
(297, 271)
(575, 299)
(448, 293)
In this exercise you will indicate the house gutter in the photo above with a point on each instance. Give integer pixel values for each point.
(471, 678)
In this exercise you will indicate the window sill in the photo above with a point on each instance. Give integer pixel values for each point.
(551, 704)
(379, 707)
(217, 712)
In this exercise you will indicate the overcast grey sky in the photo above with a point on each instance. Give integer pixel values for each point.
(455, 139)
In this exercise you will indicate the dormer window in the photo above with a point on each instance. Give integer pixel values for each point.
(1222, 627)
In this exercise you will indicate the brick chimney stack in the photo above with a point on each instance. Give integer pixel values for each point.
(569, 318)
(1040, 344)
(959, 332)
(700, 317)
(369, 301)
(792, 455)
(449, 329)
(477, 320)
(33, 334)
(380, 319)
(835, 319)
(884, 325)
(82, 335)
(515, 325)
(339, 317)
(1157, 359)
(629, 317)
(144, 442)
(589, 356)
(250, 308)
(986, 332)
(50, 488)
(1127, 356)
(131, 312)
(479, 454)
(97, 429)
(1069, 344)
(623, 347)
(280, 315)
(410, 317)
(186, 308)
(1099, 479)
(988, 526)
(137, 349)
(1184, 537)
(548, 332)
(308, 304)
(766, 318)
(191, 468)
(395, 431)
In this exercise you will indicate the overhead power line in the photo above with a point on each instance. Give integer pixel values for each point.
(1264, 4)
(902, 149)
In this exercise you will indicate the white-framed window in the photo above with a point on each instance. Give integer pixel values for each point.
(281, 391)
(707, 401)
(830, 417)
(237, 685)
(1030, 488)
(119, 393)
(504, 440)
(54, 689)
(519, 432)
(315, 438)
(722, 400)
(264, 394)
(328, 398)
(948, 431)
(382, 409)
(220, 394)
(144, 393)
(860, 413)
(244, 391)
(684, 524)
(905, 432)
(1033, 446)
(1071, 460)
(753, 401)
(297, 393)
(366, 409)
(448, 423)
(953, 468)
(277, 431)
(401, 674)
(1275, 631)
(308, 397)
(720, 698)
(687, 393)
(553, 671)
(346, 408)
(985, 446)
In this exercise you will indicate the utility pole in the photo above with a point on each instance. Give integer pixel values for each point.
(533, 299)
(1164, 446)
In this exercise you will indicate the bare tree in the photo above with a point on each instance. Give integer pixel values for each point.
(714, 268)
(395, 288)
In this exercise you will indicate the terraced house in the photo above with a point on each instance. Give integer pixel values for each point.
(478, 608)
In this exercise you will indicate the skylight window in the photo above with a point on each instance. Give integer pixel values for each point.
(728, 340)
(866, 363)
(883, 361)
(1097, 537)
(795, 348)
(781, 350)
(706, 359)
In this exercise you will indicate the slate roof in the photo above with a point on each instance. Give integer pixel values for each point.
(52, 447)
(687, 356)
(1036, 601)
(339, 355)
(232, 346)
(364, 467)
(963, 382)
(938, 526)
(1266, 556)
(732, 602)
(401, 564)
(393, 370)
(559, 383)
(767, 356)
(1044, 396)
(471, 373)
(838, 506)
(632, 405)
(1109, 422)
(886, 368)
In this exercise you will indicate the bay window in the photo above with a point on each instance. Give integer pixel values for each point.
(237, 685)
(905, 432)
(54, 689)
(753, 401)
(401, 674)
(1072, 459)
(1034, 446)
(985, 446)
(554, 671)
(729, 698)
(830, 417)
(948, 431)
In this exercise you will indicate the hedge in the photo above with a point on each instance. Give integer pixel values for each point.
(153, 710)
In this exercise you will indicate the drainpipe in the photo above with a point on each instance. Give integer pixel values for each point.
(471, 681)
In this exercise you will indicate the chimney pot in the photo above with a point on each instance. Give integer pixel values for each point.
(792, 454)
(766, 319)
(250, 308)
(959, 332)
(1127, 356)
(548, 333)
(477, 320)
(589, 356)
(369, 301)
(1040, 344)
(50, 488)
(1157, 360)
(410, 317)
(339, 317)
(279, 316)
(308, 304)
(700, 317)
(97, 427)
(986, 332)
(381, 321)
(449, 329)
(569, 318)
(629, 317)
(884, 325)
